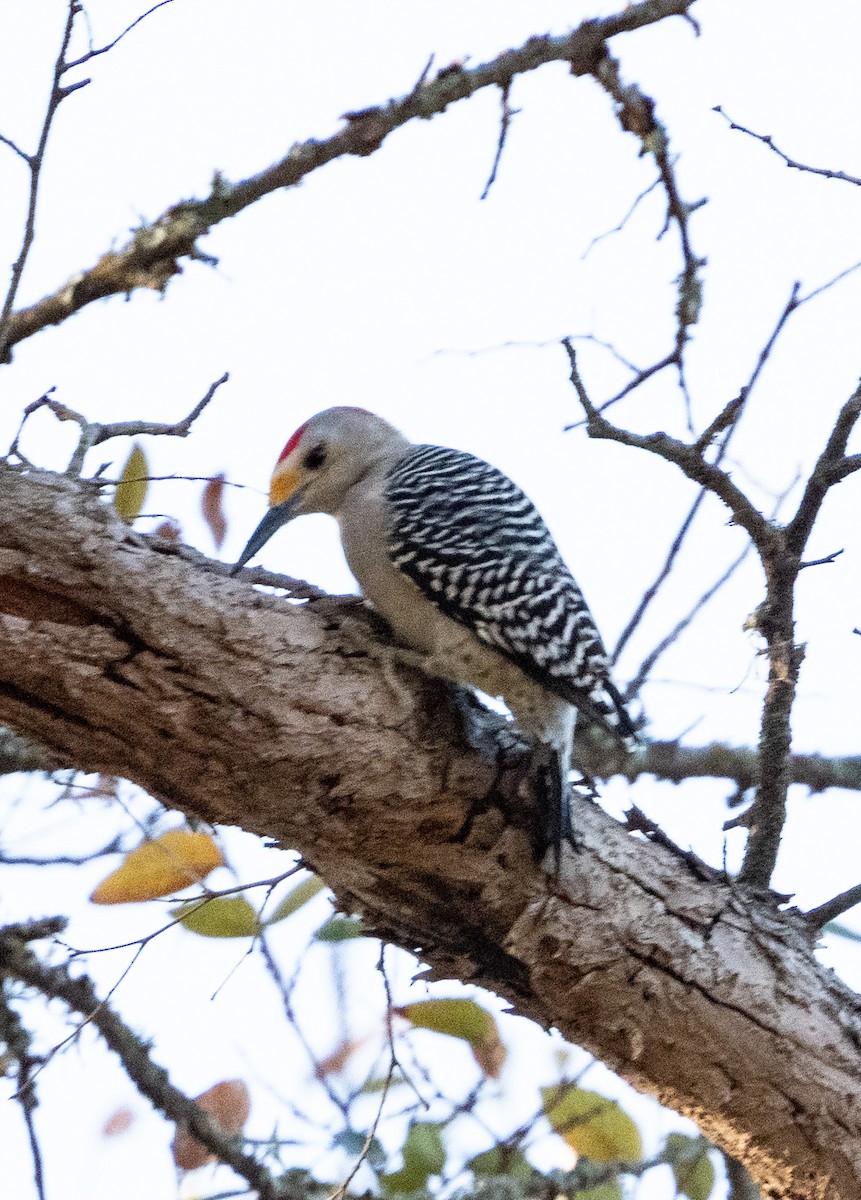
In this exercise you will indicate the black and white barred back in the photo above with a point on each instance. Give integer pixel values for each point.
(479, 549)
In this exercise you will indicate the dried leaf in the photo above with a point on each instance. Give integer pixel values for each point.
(159, 867)
(335, 1062)
(212, 507)
(118, 1122)
(132, 488)
(228, 1103)
(169, 530)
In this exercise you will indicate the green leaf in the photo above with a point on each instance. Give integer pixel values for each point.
(692, 1165)
(295, 899)
(132, 488)
(597, 1128)
(458, 1018)
(340, 929)
(424, 1155)
(223, 917)
(501, 1160)
(353, 1143)
(462, 1019)
(606, 1191)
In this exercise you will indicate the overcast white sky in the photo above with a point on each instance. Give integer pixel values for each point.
(387, 282)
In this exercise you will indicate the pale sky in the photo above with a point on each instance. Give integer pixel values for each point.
(386, 282)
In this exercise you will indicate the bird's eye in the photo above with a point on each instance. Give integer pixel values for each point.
(315, 457)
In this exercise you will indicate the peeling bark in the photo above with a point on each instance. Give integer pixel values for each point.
(120, 655)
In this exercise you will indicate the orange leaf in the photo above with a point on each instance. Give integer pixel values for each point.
(335, 1062)
(119, 1122)
(160, 867)
(228, 1103)
(168, 530)
(212, 506)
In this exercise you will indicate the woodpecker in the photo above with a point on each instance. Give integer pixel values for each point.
(462, 566)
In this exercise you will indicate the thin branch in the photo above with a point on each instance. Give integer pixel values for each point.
(729, 416)
(14, 146)
(91, 53)
(93, 433)
(830, 468)
(685, 456)
(824, 913)
(35, 162)
(16, 1039)
(636, 114)
(506, 113)
(17, 961)
(151, 258)
(767, 140)
(678, 629)
(600, 237)
(820, 562)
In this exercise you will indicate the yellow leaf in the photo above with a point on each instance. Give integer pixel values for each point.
(159, 867)
(221, 917)
(597, 1128)
(132, 487)
(462, 1019)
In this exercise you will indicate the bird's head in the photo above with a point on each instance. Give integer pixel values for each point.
(322, 460)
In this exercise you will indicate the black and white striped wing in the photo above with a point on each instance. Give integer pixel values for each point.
(479, 549)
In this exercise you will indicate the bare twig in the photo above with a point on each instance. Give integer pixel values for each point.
(91, 53)
(285, 991)
(16, 1039)
(767, 140)
(780, 552)
(18, 962)
(151, 258)
(832, 466)
(35, 162)
(506, 113)
(636, 113)
(820, 562)
(824, 913)
(728, 417)
(624, 221)
(14, 146)
(93, 433)
(685, 456)
(678, 629)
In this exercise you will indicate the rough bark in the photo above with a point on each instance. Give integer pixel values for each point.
(289, 720)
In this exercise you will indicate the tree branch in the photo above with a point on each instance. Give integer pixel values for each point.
(17, 961)
(292, 721)
(152, 256)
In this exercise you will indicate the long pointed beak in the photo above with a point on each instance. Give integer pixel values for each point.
(277, 516)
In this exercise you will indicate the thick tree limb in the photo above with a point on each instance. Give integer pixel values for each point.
(252, 711)
(152, 256)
